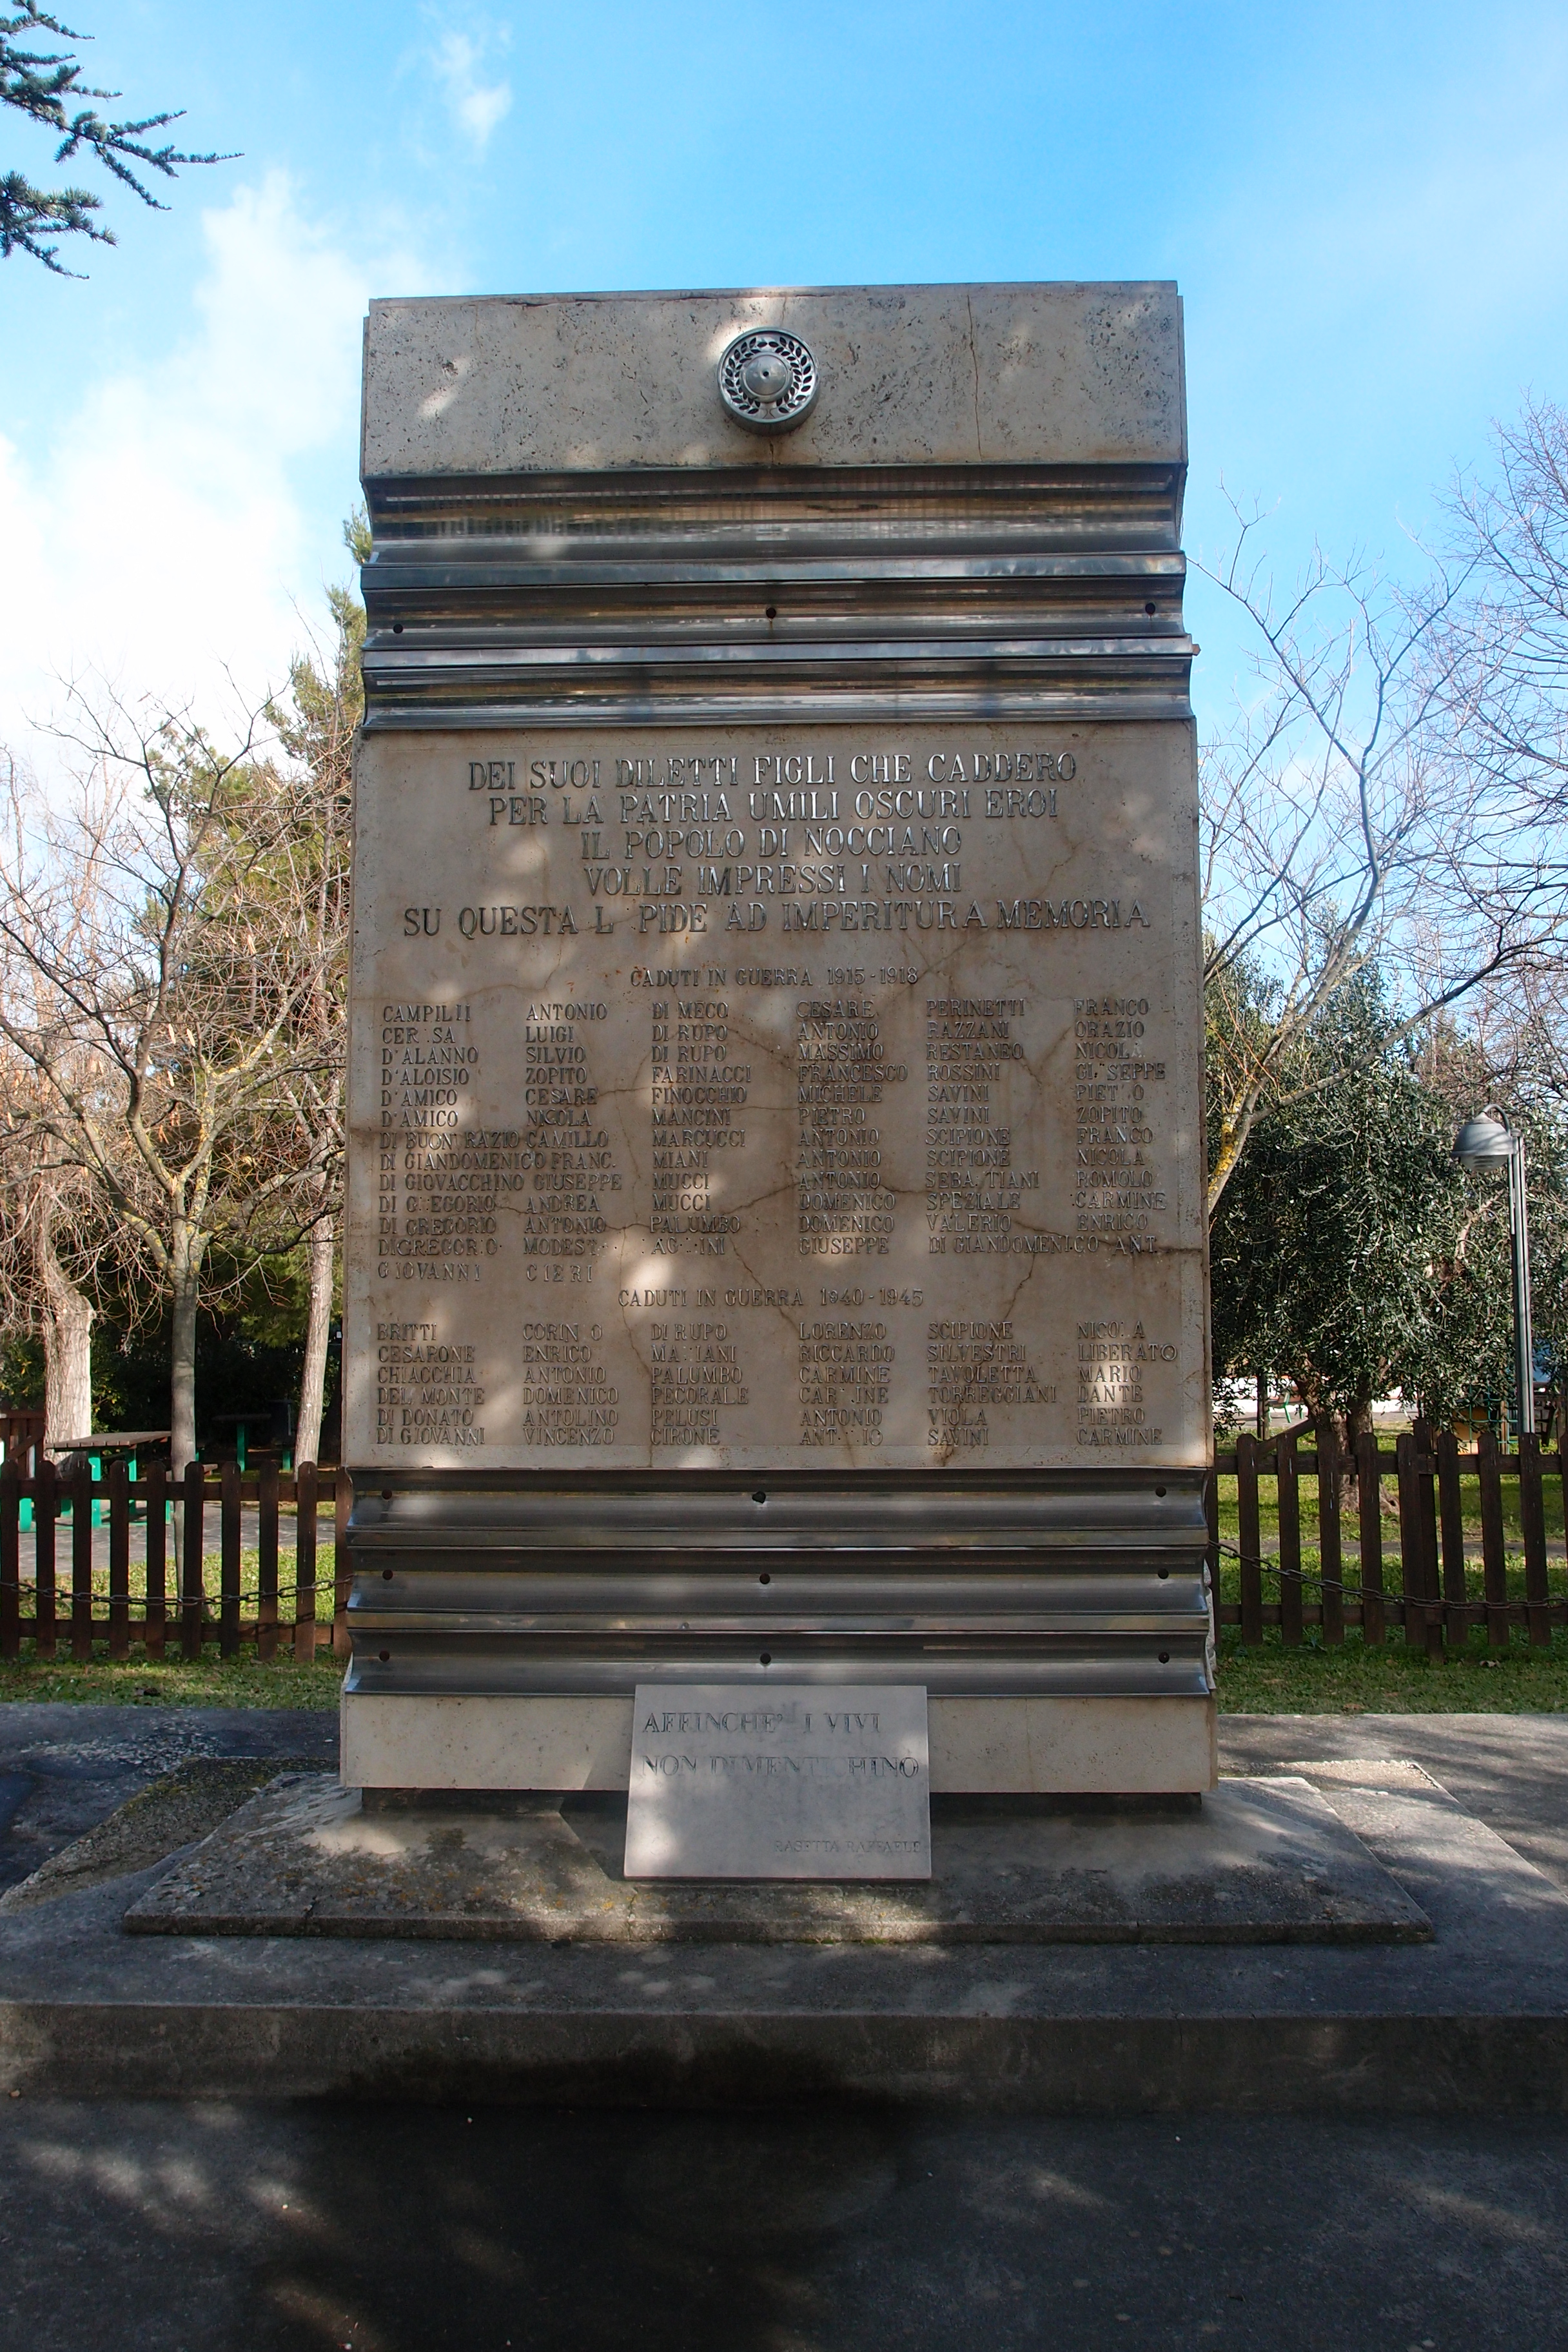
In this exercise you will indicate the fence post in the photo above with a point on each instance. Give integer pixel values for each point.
(266, 1560)
(1250, 1543)
(192, 1590)
(155, 1604)
(1330, 1557)
(228, 1562)
(81, 1562)
(1412, 1579)
(10, 1561)
(1494, 1545)
(1532, 1527)
(117, 1482)
(1289, 1489)
(1454, 1591)
(1427, 1525)
(1211, 1521)
(44, 1507)
(304, 1562)
(342, 1496)
(1369, 1521)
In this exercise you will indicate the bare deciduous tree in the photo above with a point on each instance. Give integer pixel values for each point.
(317, 730)
(49, 1230)
(174, 1039)
(1510, 528)
(1347, 822)
(56, 1247)
(1512, 531)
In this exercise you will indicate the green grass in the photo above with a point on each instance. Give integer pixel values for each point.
(212, 1578)
(1353, 1679)
(169, 1681)
(1470, 1502)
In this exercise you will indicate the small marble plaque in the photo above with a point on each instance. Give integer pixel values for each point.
(788, 1780)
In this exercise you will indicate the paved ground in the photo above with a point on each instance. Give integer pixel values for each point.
(1509, 1771)
(267, 2228)
(200, 2229)
(64, 1768)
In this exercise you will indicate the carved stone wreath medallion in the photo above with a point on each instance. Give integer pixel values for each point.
(768, 380)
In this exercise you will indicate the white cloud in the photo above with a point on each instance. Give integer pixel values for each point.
(163, 535)
(476, 106)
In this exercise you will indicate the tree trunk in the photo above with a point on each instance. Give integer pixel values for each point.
(1357, 1426)
(313, 1379)
(67, 1319)
(186, 1286)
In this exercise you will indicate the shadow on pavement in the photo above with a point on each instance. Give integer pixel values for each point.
(294, 2228)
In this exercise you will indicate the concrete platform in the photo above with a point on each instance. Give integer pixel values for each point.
(1475, 2021)
(1258, 1863)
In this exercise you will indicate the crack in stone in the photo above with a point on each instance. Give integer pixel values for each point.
(974, 363)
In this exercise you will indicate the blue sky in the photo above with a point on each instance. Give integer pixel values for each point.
(1365, 207)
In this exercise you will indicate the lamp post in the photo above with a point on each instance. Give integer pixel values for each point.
(1487, 1142)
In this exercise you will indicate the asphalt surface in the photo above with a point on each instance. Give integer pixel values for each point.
(396, 2230)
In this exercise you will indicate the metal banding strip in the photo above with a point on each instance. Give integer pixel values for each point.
(1011, 1584)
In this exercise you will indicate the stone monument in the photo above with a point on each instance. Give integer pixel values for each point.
(776, 1240)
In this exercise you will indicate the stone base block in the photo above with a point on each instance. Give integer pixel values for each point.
(1262, 1861)
(1473, 2022)
(998, 1747)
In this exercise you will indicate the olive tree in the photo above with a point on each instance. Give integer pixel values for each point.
(1351, 1254)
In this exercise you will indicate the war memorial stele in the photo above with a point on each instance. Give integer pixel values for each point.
(776, 1238)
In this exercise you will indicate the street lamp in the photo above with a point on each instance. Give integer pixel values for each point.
(1487, 1142)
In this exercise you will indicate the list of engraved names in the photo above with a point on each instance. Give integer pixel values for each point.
(785, 1099)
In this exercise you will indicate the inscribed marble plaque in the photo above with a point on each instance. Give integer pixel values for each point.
(797, 1780)
(776, 1097)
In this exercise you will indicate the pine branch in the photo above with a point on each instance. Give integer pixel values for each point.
(43, 86)
(27, 213)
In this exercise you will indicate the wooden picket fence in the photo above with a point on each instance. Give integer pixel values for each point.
(173, 1614)
(1411, 1569)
